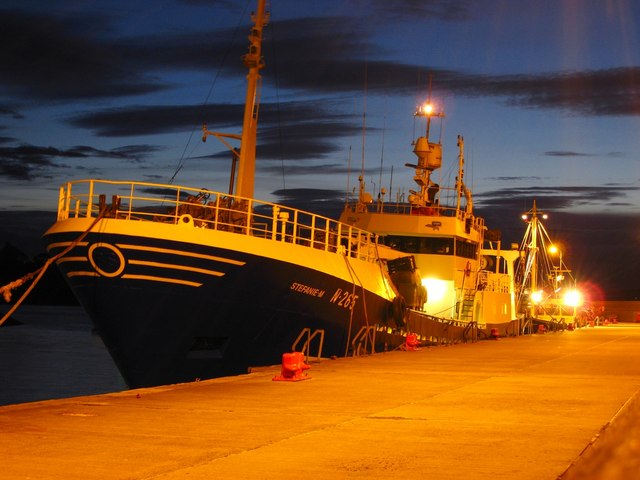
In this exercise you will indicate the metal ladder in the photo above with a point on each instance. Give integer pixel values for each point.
(306, 334)
(364, 340)
(465, 306)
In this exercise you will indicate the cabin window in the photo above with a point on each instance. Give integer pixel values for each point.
(466, 249)
(425, 245)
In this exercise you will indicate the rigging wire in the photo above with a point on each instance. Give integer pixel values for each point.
(384, 131)
(364, 112)
(272, 44)
(346, 200)
(184, 156)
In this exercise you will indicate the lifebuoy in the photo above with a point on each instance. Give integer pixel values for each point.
(467, 268)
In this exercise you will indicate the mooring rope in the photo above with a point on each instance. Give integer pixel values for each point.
(5, 291)
(354, 278)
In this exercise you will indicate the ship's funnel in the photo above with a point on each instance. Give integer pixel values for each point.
(429, 154)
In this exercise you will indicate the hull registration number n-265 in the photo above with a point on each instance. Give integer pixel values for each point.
(344, 299)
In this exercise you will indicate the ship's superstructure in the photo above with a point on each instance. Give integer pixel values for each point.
(467, 276)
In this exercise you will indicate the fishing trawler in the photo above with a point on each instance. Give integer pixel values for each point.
(547, 294)
(184, 283)
(468, 276)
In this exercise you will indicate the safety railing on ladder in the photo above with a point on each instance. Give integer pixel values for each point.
(465, 313)
(364, 340)
(470, 333)
(308, 336)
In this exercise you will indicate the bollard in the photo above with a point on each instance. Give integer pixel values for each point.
(293, 368)
(411, 343)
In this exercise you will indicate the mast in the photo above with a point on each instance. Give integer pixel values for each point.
(254, 62)
(533, 248)
(429, 159)
(532, 243)
(460, 179)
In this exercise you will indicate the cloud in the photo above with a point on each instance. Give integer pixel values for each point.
(79, 63)
(46, 58)
(301, 195)
(605, 92)
(297, 169)
(10, 111)
(28, 162)
(208, 3)
(565, 153)
(288, 131)
(321, 169)
(447, 10)
(555, 197)
(160, 119)
(325, 202)
(308, 138)
(558, 153)
(156, 119)
(342, 61)
(516, 179)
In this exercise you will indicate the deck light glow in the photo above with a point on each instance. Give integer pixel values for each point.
(536, 297)
(573, 298)
(436, 289)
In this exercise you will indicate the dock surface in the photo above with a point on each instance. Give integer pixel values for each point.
(542, 406)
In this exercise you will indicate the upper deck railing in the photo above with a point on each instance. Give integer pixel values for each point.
(405, 208)
(201, 208)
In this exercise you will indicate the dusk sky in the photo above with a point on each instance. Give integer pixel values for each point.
(545, 93)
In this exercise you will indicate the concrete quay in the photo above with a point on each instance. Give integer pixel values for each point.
(545, 406)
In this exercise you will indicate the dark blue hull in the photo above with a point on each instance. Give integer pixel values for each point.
(173, 312)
